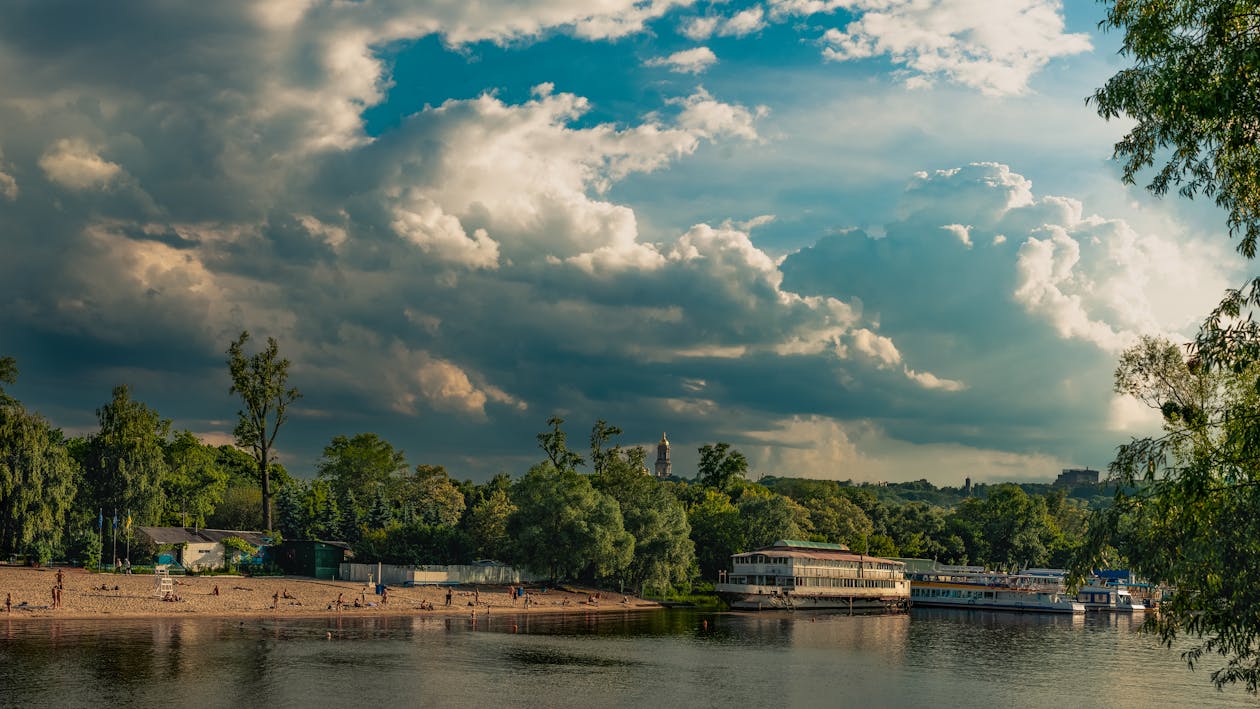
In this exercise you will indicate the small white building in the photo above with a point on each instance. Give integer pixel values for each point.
(198, 549)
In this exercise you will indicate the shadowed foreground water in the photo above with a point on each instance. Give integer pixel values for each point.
(657, 659)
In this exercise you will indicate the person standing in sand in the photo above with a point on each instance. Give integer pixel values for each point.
(8, 603)
(61, 577)
(448, 595)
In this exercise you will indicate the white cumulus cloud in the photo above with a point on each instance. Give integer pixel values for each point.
(991, 45)
(687, 61)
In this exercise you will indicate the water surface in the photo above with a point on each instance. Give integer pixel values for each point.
(656, 659)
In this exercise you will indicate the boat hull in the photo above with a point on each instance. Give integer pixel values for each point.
(993, 605)
(747, 601)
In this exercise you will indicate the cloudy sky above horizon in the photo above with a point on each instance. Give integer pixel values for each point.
(858, 239)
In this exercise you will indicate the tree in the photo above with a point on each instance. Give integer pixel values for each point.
(1005, 529)
(240, 508)
(36, 480)
(8, 375)
(363, 466)
(487, 525)
(716, 529)
(1184, 512)
(431, 496)
(565, 528)
(194, 483)
(768, 518)
(260, 380)
(664, 554)
(601, 434)
(1194, 96)
(838, 520)
(721, 465)
(126, 459)
(553, 443)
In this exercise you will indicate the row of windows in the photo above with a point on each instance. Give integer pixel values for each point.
(815, 563)
(812, 582)
(845, 583)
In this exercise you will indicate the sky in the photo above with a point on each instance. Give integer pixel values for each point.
(856, 239)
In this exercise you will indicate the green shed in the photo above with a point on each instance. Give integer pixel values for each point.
(309, 557)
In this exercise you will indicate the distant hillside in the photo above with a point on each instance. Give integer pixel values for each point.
(896, 494)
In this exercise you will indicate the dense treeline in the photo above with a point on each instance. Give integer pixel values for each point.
(605, 520)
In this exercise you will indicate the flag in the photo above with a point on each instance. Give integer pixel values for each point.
(128, 520)
(115, 519)
(100, 520)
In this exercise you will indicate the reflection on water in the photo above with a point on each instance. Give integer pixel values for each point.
(676, 658)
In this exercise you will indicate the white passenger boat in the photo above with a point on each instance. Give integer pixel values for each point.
(1100, 594)
(807, 575)
(945, 586)
(1109, 598)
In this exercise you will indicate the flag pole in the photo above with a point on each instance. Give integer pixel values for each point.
(115, 549)
(128, 535)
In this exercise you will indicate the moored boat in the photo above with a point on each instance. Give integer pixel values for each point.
(792, 574)
(973, 587)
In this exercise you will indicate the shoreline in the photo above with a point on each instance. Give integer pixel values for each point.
(135, 597)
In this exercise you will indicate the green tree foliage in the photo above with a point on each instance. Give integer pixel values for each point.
(1192, 93)
(8, 375)
(237, 549)
(363, 465)
(291, 511)
(555, 444)
(260, 380)
(434, 500)
(487, 525)
(414, 543)
(36, 480)
(194, 483)
(601, 435)
(1185, 507)
(721, 466)
(565, 528)
(1006, 529)
(125, 460)
(347, 526)
(240, 508)
(716, 530)
(769, 518)
(664, 554)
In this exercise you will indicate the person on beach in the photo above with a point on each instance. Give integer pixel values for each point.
(61, 577)
(384, 595)
(275, 600)
(54, 596)
(8, 603)
(215, 592)
(448, 596)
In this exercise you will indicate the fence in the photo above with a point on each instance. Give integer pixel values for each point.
(437, 574)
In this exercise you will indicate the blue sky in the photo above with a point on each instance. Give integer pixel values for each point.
(858, 239)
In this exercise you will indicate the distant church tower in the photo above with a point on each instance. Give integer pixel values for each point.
(663, 466)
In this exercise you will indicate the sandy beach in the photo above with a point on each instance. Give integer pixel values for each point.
(92, 595)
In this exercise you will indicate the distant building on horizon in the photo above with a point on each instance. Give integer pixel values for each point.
(1077, 476)
(664, 468)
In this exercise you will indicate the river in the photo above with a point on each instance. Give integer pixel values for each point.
(661, 660)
